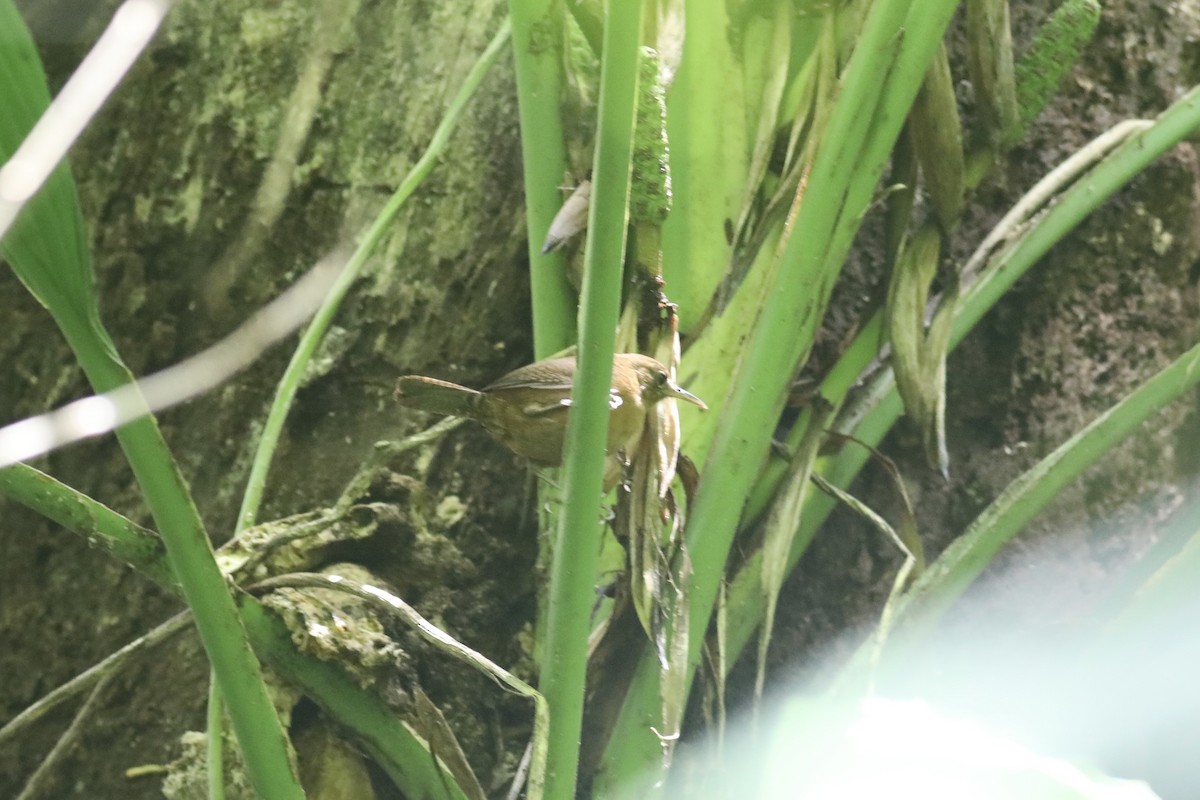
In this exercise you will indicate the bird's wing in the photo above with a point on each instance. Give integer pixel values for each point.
(541, 409)
(555, 374)
(538, 409)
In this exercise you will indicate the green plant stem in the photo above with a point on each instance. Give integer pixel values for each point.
(216, 741)
(292, 376)
(847, 166)
(849, 160)
(537, 27)
(990, 61)
(285, 394)
(849, 369)
(707, 162)
(922, 606)
(577, 545)
(881, 407)
(258, 728)
(395, 746)
(393, 606)
(1143, 601)
(538, 30)
(122, 538)
(925, 24)
(386, 738)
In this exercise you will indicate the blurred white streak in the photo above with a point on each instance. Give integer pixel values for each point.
(92, 416)
(89, 86)
(1068, 671)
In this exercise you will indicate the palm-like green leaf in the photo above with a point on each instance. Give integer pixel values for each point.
(47, 245)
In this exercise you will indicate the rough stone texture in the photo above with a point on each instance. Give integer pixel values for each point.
(187, 243)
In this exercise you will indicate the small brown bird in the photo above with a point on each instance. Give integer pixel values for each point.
(527, 408)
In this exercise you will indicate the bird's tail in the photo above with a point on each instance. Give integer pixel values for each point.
(440, 397)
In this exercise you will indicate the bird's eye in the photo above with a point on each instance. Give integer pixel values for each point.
(660, 378)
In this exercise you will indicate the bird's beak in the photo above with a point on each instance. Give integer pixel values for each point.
(674, 390)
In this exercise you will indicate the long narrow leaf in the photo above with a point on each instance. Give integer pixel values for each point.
(47, 245)
(783, 332)
(965, 559)
(60, 277)
(879, 406)
(577, 543)
(538, 58)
